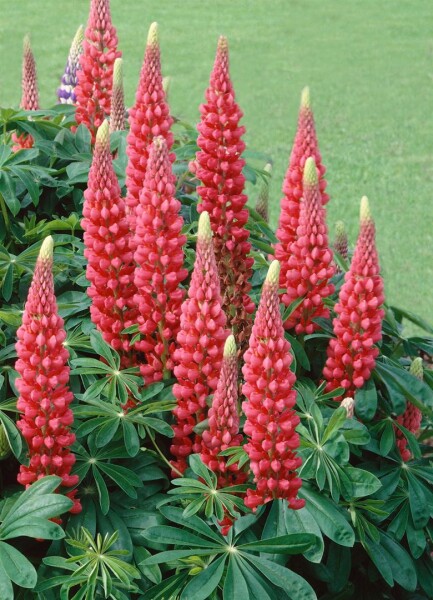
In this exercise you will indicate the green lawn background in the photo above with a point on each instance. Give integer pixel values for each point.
(369, 65)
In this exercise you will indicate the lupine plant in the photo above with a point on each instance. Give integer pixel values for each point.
(30, 93)
(214, 456)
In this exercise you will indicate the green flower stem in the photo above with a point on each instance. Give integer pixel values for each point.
(160, 454)
(4, 212)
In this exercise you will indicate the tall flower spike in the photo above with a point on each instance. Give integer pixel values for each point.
(358, 325)
(110, 267)
(95, 76)
(158, 244)
(310, 267)
(412, 416)
(262, 202)
(44, 395)
(200, 347)
(30, 95)
(117, 119)
(69, 81)
(148, 118)
(271, 420)
(219, 166)
(304, 146)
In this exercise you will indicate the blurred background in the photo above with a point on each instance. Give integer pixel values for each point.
(369, 65)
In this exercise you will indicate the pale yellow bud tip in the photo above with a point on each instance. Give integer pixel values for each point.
(230, 347)
(416, 368)
(118, 72)
(204, 228)
(340, 228)
(46, 251)
(153, 36)
(310, 172)
(273, 275)
(305, 98)
(79, 36)
(103, 134)
(26, 43)
(223, 43)
(365, 213)
(268, 168)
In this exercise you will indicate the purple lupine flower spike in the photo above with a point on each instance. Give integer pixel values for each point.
(66, 91)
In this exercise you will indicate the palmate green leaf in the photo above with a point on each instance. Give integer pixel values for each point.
(235, 585)
(101, 486)
(28, 180)
(172, 556)
(12, 434)
(419, 507)
(6, 588)
(201, 470)
(301, 521)
(101, 347)
(203, 584)
(366, 401)
(363, 482)
(168, 588)
(328, 516)
(165, 534)
(126, 479)
(334, 424)
(292, 543)
(158, 425)
(17, 567)
(259, 588)
(416, 539)
(175, 514)
(294, 585)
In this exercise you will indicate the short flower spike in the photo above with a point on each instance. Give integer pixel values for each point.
(200, 344)
(262, 202)
(117, 119)
(304, 146)
(310, 266)
(358, 325)
(69, 81)
(412, 416)
(270, 398)
(30, 94)
(44, 395)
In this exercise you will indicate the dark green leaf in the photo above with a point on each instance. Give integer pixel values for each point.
(203, 584)
(366, 401)
(293, 543)
(18, 568)
(294, 585)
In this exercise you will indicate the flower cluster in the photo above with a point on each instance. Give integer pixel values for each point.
(69, 81)
(223, 417)
(117, 119)
(30, 95)
(304, 146)
(412, 416)
(200, 342)
(110, 267)
(44, 395)
(271, 420)
(148, 118)
(358, 325)
(310, 266)
(95, 76)
(158, 244)
(219, 166)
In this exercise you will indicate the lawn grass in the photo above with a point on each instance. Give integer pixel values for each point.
(369, 65)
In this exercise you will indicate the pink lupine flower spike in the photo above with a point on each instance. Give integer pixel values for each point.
(44, 395)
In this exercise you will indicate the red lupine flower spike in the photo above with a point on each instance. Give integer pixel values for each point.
(310, 266)
(341, 244)
(412, 416)
(158, 244)
(358, 325)
(219, 166)
(201, 341)
(44, 398)
(271, 420)
(95, 76)
(117, 119)
(110, 267)
(223, 417)
(304, 146)
(30, 95)
(148, 118)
